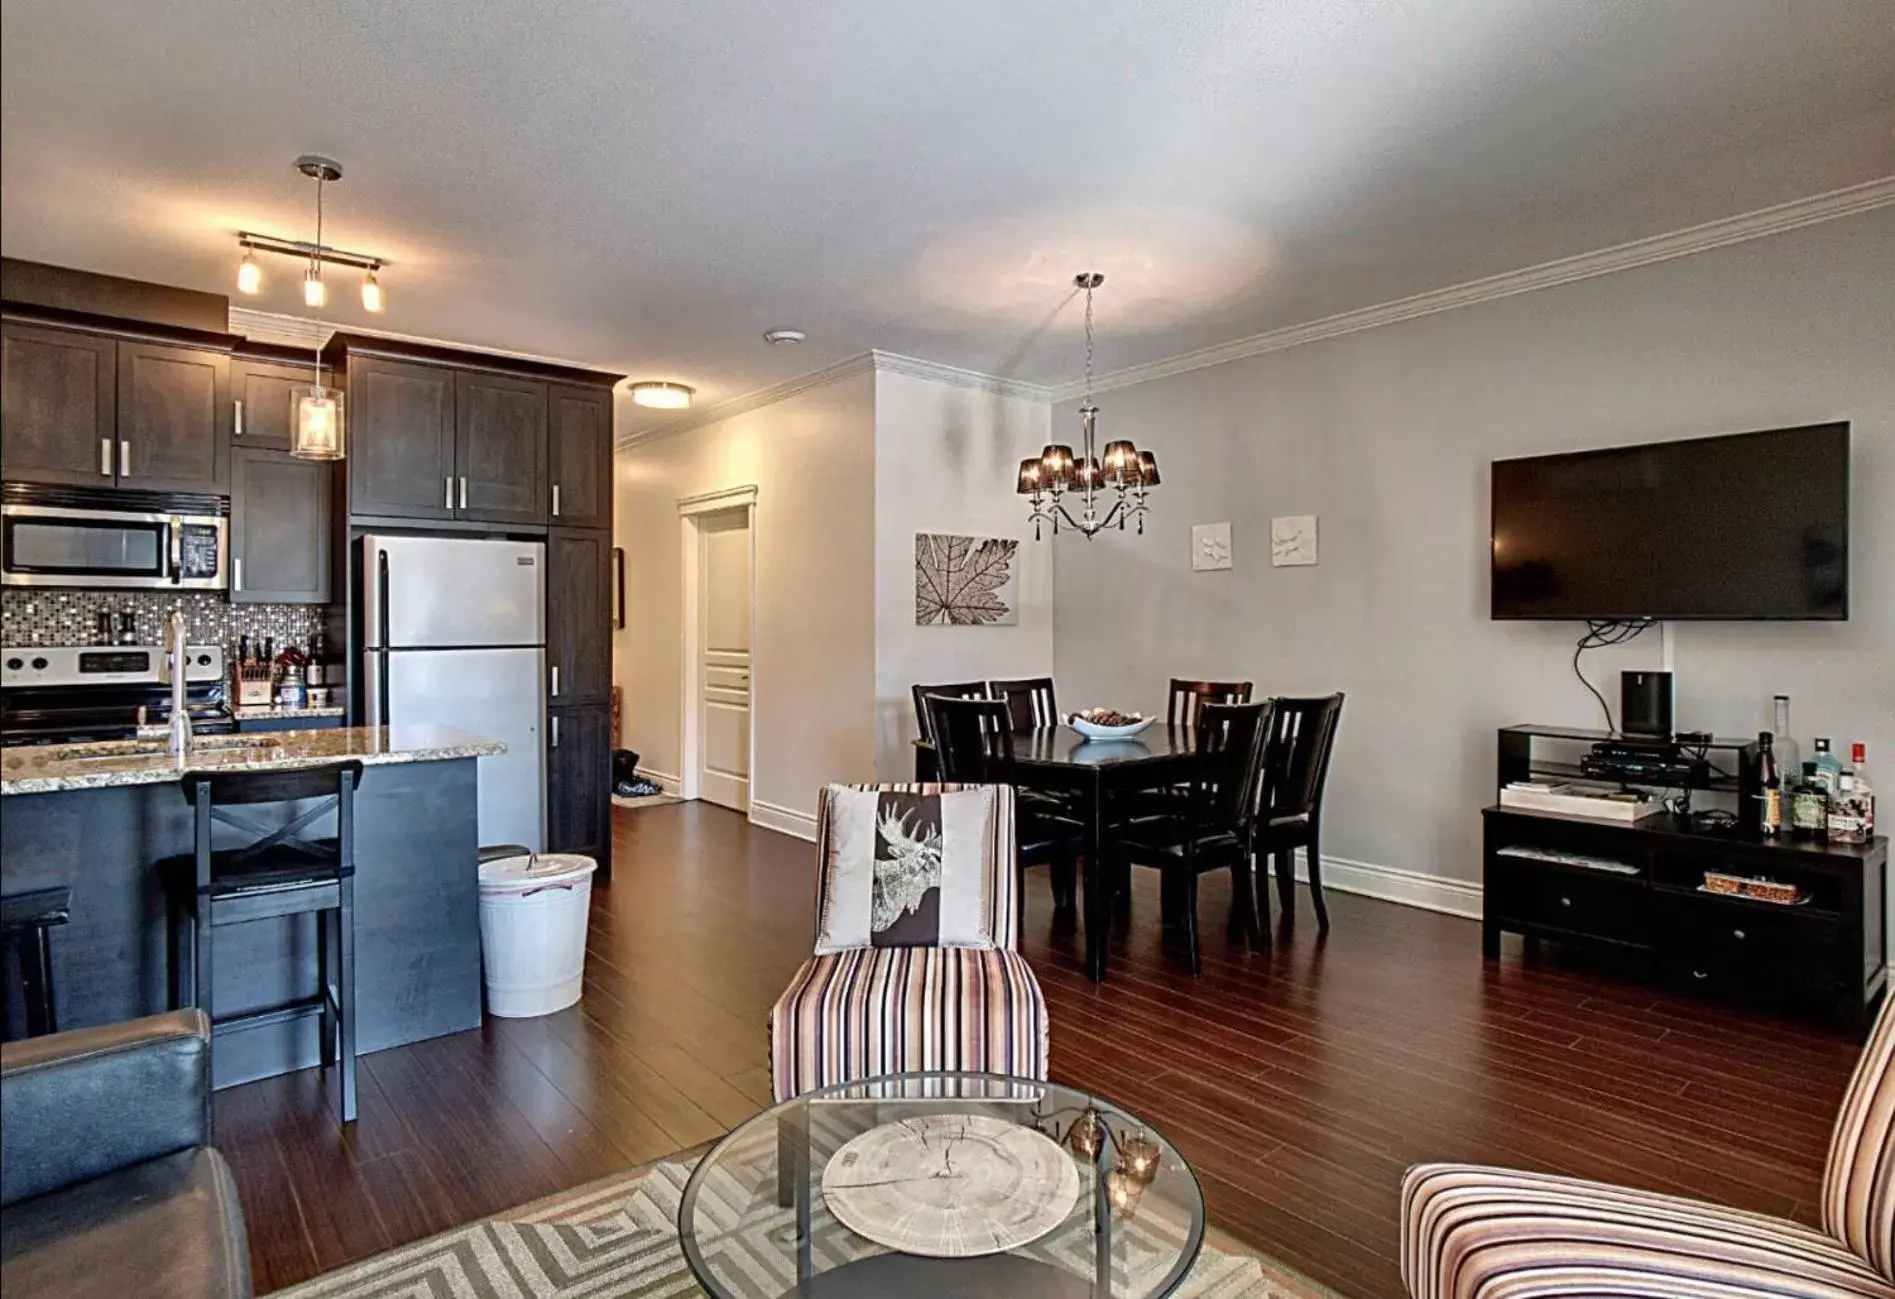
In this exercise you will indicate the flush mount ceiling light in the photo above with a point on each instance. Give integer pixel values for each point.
(779, 337)
(316, 255)
(1055, 473)
(662, 395)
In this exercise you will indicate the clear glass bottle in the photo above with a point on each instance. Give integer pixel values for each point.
(1789, 753)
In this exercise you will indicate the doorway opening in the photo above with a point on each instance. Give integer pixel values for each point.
(719, 549)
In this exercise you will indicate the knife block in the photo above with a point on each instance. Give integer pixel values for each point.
(250, 685)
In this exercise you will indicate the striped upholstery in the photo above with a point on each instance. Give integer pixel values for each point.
(1490, 1233)
(1859, 1186)
(869, 1011)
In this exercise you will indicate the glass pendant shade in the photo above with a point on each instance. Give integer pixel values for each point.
(1056, 465)
(316, 422)
(1029, 477)
(315, 292)
(1147, 469)
(249, 276)
(1121, 463)
(372, 299)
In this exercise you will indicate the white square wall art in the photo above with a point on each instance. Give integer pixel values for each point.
(1210, 547)
(1293, 540)
(966, 581)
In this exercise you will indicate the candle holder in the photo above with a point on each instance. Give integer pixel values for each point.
(1136, 1156)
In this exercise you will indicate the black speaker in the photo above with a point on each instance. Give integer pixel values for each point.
(1645, 703)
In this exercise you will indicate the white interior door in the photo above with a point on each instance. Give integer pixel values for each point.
(724, 659)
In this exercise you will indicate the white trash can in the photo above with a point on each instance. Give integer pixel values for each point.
(533, 931)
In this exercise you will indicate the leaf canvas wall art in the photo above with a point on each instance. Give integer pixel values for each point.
(966, 581)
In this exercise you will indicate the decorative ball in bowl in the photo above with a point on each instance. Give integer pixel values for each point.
(1107, 723)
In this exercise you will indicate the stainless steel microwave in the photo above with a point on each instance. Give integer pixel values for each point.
(50, 537)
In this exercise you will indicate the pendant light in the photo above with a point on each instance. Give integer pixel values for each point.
(316, 431)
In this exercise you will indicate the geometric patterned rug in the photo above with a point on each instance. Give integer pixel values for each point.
(618, 1239)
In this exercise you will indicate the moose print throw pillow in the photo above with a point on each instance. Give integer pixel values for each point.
(906, 868)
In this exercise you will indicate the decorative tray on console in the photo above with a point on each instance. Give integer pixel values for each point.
(1758, 889)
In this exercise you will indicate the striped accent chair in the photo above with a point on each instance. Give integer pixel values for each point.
(1490, 1233)
(868, 1011)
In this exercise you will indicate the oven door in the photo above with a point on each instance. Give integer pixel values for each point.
(47, 545)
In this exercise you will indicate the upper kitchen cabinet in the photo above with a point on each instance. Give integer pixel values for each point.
(260, 400)
(578, 616)
(444, 433)
(500, 448)
(59, 414)
(579, 460)
(174, 417)
(399, 422)
(145, 407)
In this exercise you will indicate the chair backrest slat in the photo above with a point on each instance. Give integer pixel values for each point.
(1030, 700)
(956, 689)
(1296, 754)
(1187, 697)
(231, 787)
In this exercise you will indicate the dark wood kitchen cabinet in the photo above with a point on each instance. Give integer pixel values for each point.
(578, 616)
(579, 455)
(59, 413)
(174, 418)
(579, 783)
(500, 448)
(399, 418)
(260, 399)
(279, 528)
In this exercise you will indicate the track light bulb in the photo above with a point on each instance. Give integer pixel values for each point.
(372, 298)
(249, 275)
(315, 292)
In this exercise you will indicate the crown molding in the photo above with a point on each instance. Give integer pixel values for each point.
(1783, 217)
(916, 368)
(301, 331)
(847, 368)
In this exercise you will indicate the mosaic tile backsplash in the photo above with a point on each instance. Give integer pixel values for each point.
(54, 617)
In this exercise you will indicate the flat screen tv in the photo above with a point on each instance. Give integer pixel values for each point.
(1752, 526)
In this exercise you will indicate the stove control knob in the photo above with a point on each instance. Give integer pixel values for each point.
(39, 665)
(15, 664)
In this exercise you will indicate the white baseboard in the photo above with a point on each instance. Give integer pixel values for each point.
(664, 780)
(1409, 888)
(784, 820)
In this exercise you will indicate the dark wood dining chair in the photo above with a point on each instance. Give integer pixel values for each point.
(1212, 832)
(954, 690)
(1030, 700)
(973, 741)
(1296, 753)
(1187, 697)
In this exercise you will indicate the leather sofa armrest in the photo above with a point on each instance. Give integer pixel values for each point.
(76, 1105)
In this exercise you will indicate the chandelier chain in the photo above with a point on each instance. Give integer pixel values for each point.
(1088, 345)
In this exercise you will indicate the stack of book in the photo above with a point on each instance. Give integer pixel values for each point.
(1601, 802)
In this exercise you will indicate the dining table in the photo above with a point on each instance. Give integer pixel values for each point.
(1091, 774)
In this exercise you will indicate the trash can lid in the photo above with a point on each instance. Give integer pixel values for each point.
(535, 870)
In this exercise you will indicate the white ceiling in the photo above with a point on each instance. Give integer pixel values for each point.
(648, 186)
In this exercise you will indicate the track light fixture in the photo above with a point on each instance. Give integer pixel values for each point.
(314, 254)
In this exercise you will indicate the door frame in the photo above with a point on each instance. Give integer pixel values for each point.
(692, 511)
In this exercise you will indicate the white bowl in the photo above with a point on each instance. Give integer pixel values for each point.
(1095, 732)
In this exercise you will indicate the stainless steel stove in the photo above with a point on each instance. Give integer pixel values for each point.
(66, 694)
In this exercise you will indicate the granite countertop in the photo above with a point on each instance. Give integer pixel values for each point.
(259, 712)
(52, 768)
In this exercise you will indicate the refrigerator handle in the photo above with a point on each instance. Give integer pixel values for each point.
(383, 705)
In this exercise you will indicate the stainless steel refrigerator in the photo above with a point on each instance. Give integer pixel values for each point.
(455, 635)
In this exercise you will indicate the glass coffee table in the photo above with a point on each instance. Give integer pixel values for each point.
(942, 1184)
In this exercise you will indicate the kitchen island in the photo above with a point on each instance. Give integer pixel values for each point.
(96, 817)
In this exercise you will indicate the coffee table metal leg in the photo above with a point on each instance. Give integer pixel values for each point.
(1101, 1227)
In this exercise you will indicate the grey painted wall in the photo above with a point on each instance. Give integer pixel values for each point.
(1387, 435)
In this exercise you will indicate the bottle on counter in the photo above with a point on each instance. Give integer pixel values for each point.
(1789, 753)
(1809, 806)
(1864, 792)
(1846, 824)
(290, 689)
(1828, 765)
(315, 673)
(1769, 788)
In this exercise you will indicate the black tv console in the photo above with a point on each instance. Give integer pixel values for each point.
(1641, 889)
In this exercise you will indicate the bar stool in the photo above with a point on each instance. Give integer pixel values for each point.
(278, 874)
(26, 927)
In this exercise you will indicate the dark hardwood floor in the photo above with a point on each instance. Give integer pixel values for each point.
(1300, 1083)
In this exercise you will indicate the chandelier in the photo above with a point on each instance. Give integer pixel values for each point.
(1056, 476)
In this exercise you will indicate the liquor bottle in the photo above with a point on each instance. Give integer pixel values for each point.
(1809, 806)
(1828, 765)
(1865, 792)
(1845, 813)
(313, 672)
(1789, 753)
(1769, 789)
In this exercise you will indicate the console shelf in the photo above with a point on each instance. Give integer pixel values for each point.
(1822, 957)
